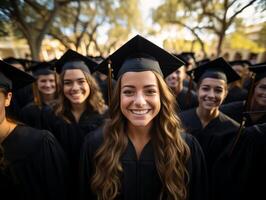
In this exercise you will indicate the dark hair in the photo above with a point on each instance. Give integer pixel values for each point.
(212, 74)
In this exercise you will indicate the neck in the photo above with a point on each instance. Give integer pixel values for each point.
(47, 98)
(77, 110)
(138, 133)
(207, 115)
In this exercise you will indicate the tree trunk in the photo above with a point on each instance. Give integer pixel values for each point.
(220, 43)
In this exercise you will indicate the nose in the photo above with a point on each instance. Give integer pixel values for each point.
(75, 86)
(140, 100)
(211, 94)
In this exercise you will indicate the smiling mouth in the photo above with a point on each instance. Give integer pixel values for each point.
(140, 112)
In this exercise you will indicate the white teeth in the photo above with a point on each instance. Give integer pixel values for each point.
(139, 112)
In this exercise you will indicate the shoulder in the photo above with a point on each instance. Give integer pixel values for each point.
(25, 140)
(187, 115)
(229, 121)
(93, 140)
(233, 105)
(190, 140)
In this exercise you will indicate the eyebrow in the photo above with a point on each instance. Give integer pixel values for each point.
(214, 86)
(146, 86)
(78, 79)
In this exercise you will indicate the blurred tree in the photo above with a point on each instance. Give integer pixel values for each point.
(31, 18)
(82, 22)
(213, 16)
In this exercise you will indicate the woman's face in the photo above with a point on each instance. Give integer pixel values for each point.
(140, 98)
(4, 102)
(259, 95)
(46, 84)
(75, 86)
(211, 93)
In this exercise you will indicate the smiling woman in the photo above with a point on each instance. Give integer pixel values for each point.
(141, 153)
(78, 111)
(213, 129)
(45, 92)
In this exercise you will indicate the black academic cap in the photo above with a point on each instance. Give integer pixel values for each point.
(259, 70)
(139, 54)
(217, 65)
(188, 54)
(240, 62)
(73, 60)
(43, 68)
(203, 61)
(13, 78)
(12, 60)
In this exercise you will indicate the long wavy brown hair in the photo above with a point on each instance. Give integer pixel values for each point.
(94, 101)
(171, 151)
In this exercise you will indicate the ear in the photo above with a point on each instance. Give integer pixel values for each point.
(8, 99)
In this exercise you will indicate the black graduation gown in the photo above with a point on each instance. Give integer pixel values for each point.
(140, 180)
(71, 136)
(236, 94)
(214, 137)
(31, 115)
(37, 166)
(183, 102)
(241, 175)
(236, 109)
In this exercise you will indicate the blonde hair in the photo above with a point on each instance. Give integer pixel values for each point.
(94, 101)
(171, 151)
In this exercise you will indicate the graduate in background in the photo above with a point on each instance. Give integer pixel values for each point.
(176, 82)
(21, 97)
(255, 102)
(213, 129)
(79, 110)
(141, 152)
(45, 90)
(32, 163)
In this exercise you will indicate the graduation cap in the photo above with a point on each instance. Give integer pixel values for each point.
(242, 63)
(219, 66)
(259, 70)
(12, 60)
(43, 68)
(139, 54)
(203, 61)
(12, 78)
(73, 60)
(188, 55)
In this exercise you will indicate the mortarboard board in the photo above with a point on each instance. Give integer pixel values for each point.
(12, 60)
(139, 54)
(13, 78)
(259, 70)
(203, 61)
(73, 60)
(43, 68)
(242, 63)
(188, 55)
(218, 65)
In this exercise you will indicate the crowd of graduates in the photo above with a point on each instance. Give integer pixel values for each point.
(139, 124)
